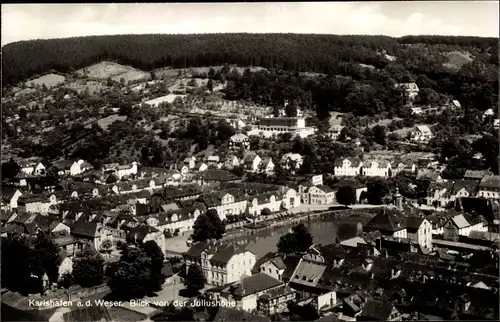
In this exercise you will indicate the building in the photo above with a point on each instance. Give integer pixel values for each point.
(439, 193)
(489, 187)
(462, 225)
(375, 310)
(216, 177)
(409, 90)
(334, 131)
(488, 113)
(421, 134)
(251, 162)
(32, 166)
(319, 195)
(246, 293)
(239, 141)
(231, 161)
(145, 233)
(416, 111)
(92, 233)
(389, 221)
(267, 165)
(121, 171)
(464, 188)
(476, 174)
(291, 161)
(419, 230)
(79, 167)
(349, 167)
(190, 162)
(176, 220)
(221, 263)
(376, 168)
(275, 300)
(275, 125)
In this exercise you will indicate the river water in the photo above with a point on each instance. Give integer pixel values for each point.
(324, 231)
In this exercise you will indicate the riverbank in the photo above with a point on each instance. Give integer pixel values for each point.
(175, 246)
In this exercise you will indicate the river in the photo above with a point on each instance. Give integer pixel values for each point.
(324, 231)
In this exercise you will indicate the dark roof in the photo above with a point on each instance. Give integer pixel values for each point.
(63, 164)
(88, 314)
(218, 175)
(227, 314)
(279, 121)
(469, 185)
(249, 285)
(277, 292)
(141, 209)
(388, 220)
(490, 182)
(413, 223)
(85, 229)
(197, 249)
(226, 252)
(325, 188)
(140, 232)
(377, 310)
(355, 162)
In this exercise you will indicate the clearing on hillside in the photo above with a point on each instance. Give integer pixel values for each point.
(107, 121)
(171, 72)
(457, 59)
(167, 98)
(50, 80)
(104, 69)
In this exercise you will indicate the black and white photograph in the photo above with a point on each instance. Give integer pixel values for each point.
(253, 161)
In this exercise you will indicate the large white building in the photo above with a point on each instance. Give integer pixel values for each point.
(348, 167)
(489, 187)
(421, 134)
(376, 168)
(221, 263)
(276, 125)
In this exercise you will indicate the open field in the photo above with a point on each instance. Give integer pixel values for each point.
(105, 122)
(50, 80)
(104, 69)
(167, 98)
(174, 72)
(458, 59)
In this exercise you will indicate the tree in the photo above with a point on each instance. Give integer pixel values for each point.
(45, 258)
(66, 280)
(210, 85)
(377, 188)
(291, 110)
(195, 280)
(155, 253)
(125, 109)
(208, 226)
(299, 240)
(22, 113)
(88, 268)
(192, 83)
(132, 275)
(10, 169)
(173, 313)
(346, 195)
(379, 134)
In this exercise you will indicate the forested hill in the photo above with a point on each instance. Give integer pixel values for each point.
(313, 53)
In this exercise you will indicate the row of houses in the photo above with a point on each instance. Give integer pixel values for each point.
(442, 193)
(352, 167)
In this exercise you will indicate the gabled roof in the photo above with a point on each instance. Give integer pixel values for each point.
(490, 182)
(63, 164)
(218, 175)
(85, 229)
(424, 129)
(355, 162)
(140, 232)
(196, 250)
(324, 188)
(224, 253)
(388, 220)
(414, 223)
(279, 121)
(469, 186)
(239, 137)
(476, 174)
(250, 285)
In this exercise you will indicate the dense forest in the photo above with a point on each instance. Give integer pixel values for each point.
(329, 54)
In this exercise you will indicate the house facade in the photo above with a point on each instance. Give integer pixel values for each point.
(319, 195)
(376, 168)
(275, 125)
(421, 134)
(489, 187)
(419, 230)
(348, 167)
(239, 141)
(462, 225)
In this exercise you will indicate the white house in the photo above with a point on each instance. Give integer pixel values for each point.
(221, 263)
(410, 90)
(349, 167)
(126, 170)
(421, 134)
(419, 230)
(292, 161)
(416, 111)
(376, 168)
(463, 225)
(489, 112)
(238, 141)
(246, 293)
(489, 187)
(231, 162)
(179, 220)
(275, 125)
(319, 195)
(267, 165)
(144, 233)
(334, 131)
(190, 162)
(251, 162)
(32, 166)
(79, 166)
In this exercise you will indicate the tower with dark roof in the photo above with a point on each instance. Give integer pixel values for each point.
(398, 199)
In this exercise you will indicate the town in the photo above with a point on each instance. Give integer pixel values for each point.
(363, 192)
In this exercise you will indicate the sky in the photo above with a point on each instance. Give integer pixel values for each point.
(45, 21)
